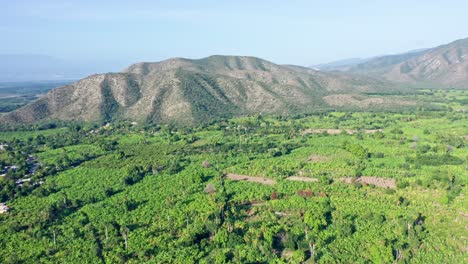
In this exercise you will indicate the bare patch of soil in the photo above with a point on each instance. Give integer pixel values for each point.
(317, 158)
(379, 182)
(257, 179)
(303, 179)
(364, 102)
(334, 131)
(330, 131)
(282, 214)
(372, 131)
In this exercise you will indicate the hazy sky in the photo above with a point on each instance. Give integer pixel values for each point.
(294, 32)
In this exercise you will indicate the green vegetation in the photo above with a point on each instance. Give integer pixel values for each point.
(14, 95)
(9, 104)
(159, 193)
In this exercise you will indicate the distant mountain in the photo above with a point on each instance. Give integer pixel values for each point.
(351, 64)
(191, 91)
(445, 66)
(339, 65)
(381, 63)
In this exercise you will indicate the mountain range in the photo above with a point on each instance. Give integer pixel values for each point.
(348, 64)
(196, 90)
(444, 66)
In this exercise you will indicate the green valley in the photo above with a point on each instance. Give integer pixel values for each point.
(325, 187)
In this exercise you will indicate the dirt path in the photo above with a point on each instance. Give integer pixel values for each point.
(379, 182)
(303, 179)
(257, 179)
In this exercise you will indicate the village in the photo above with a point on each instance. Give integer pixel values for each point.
(9, 170)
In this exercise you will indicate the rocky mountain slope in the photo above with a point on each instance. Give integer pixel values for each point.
(444, 66)
(190, 91)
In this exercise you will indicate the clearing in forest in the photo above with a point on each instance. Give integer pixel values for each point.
(317, 158)
(334, 131)
(379, 182)
(257, 179)
(303, 179)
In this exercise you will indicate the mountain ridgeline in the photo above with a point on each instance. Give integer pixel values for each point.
(445, 66)
(192, 91)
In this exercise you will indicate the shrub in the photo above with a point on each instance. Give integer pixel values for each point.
(401, 184)
(356, 149)
(378, 155)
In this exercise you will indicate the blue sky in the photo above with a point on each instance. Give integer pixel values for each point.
(294, 32)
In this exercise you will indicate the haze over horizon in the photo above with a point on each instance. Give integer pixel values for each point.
(258, 131)
(115, 34)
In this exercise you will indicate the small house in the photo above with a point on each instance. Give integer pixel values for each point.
(4, 208)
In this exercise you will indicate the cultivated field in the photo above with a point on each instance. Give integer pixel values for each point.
(373, 187)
